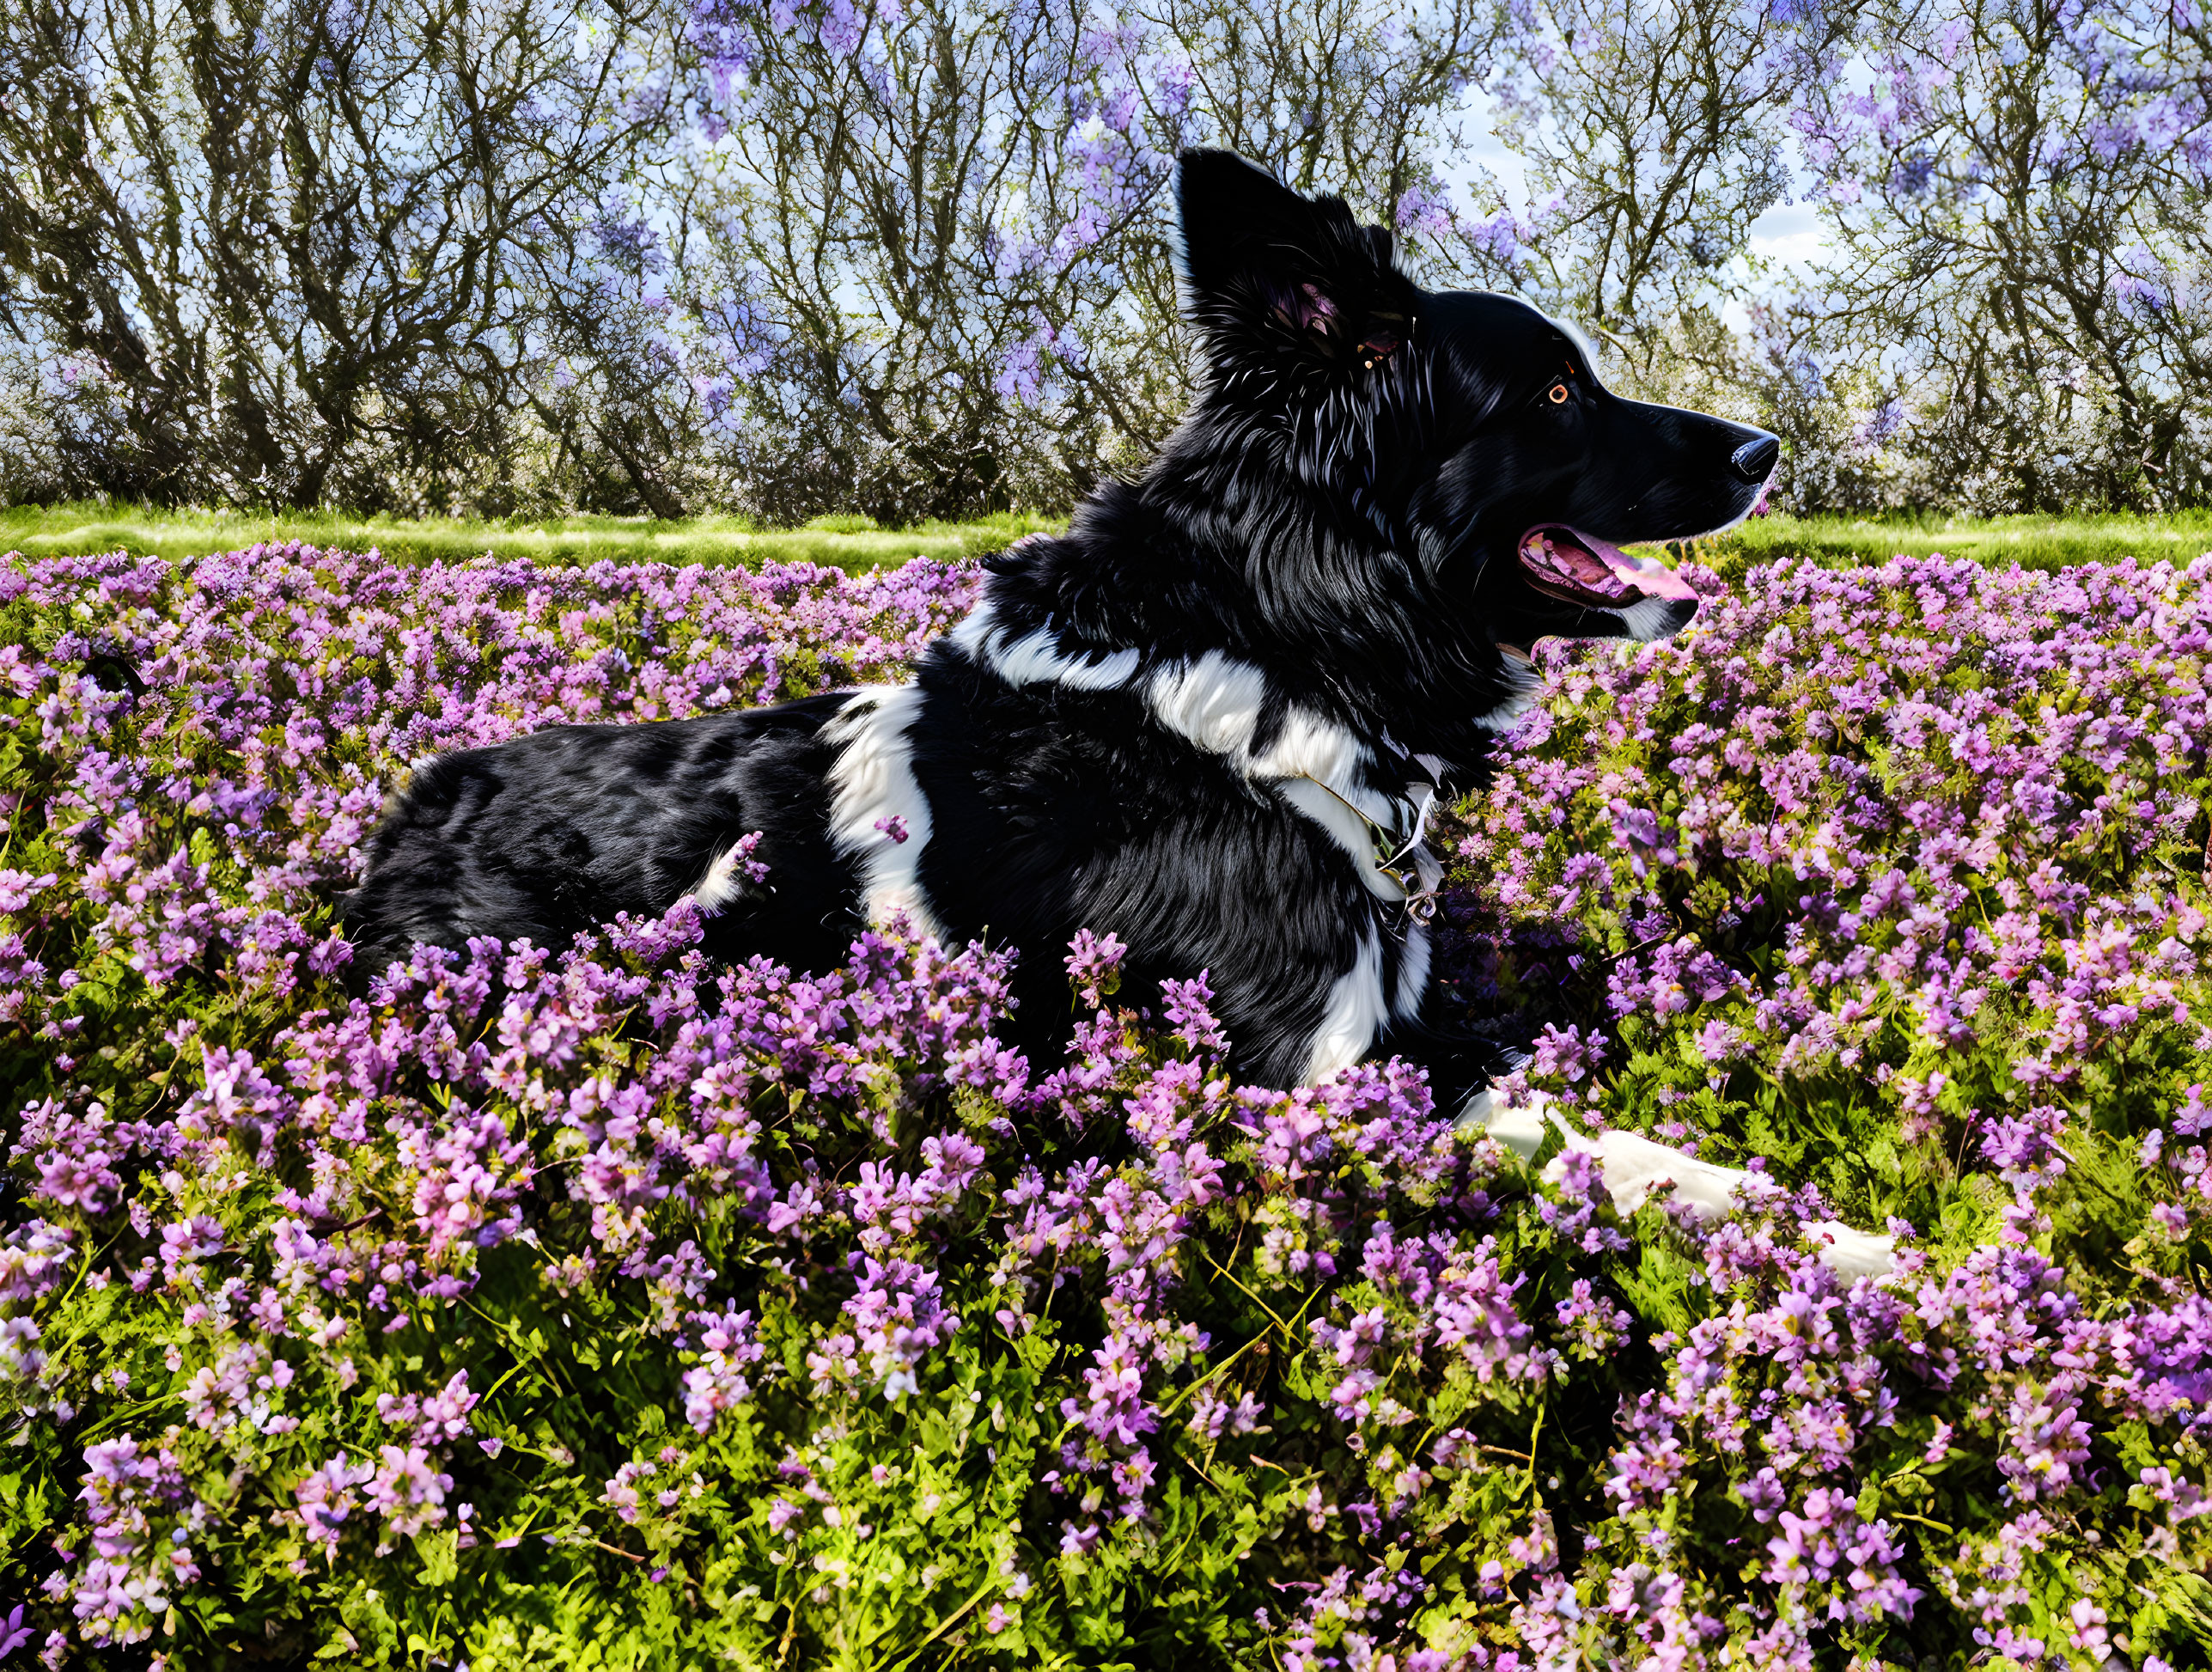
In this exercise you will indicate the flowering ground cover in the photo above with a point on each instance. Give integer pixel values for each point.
(657, 1315)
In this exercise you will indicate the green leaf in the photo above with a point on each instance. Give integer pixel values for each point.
(438, 1554)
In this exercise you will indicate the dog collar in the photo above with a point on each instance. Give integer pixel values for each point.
(1397, 853)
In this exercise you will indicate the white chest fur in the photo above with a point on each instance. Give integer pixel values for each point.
(879, 817)
(1316, 768)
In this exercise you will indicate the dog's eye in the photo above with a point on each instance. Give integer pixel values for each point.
(1557, 394)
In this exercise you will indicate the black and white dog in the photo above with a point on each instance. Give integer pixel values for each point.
(1210, 718)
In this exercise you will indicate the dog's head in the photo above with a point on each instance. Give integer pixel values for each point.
(1467, 430)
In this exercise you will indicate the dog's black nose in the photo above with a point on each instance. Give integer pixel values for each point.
(1754, 460)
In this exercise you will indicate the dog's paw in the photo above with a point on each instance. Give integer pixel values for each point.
(1854, 1254)
(1634, 1166)
(1520, 1130)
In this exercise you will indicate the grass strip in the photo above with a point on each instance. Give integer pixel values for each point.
(857, 546)
(853, 544)
(2033, 542)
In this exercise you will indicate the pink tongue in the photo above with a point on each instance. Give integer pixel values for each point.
(1606, 569)
(1654, 577)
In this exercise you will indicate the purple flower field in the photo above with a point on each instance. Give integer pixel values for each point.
(682, 1316)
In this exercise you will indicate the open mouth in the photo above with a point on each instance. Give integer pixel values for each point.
(1579, 569)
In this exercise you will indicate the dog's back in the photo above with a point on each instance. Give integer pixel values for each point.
(552, 834)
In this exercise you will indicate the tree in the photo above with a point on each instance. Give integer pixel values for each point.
(1652, 136)
(911, 257)
(2018, 194)
(287, 251)
(944, 227)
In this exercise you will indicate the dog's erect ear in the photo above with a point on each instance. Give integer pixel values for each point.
(1265, 269)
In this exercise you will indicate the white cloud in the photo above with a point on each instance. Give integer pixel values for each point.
(1789, 234)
